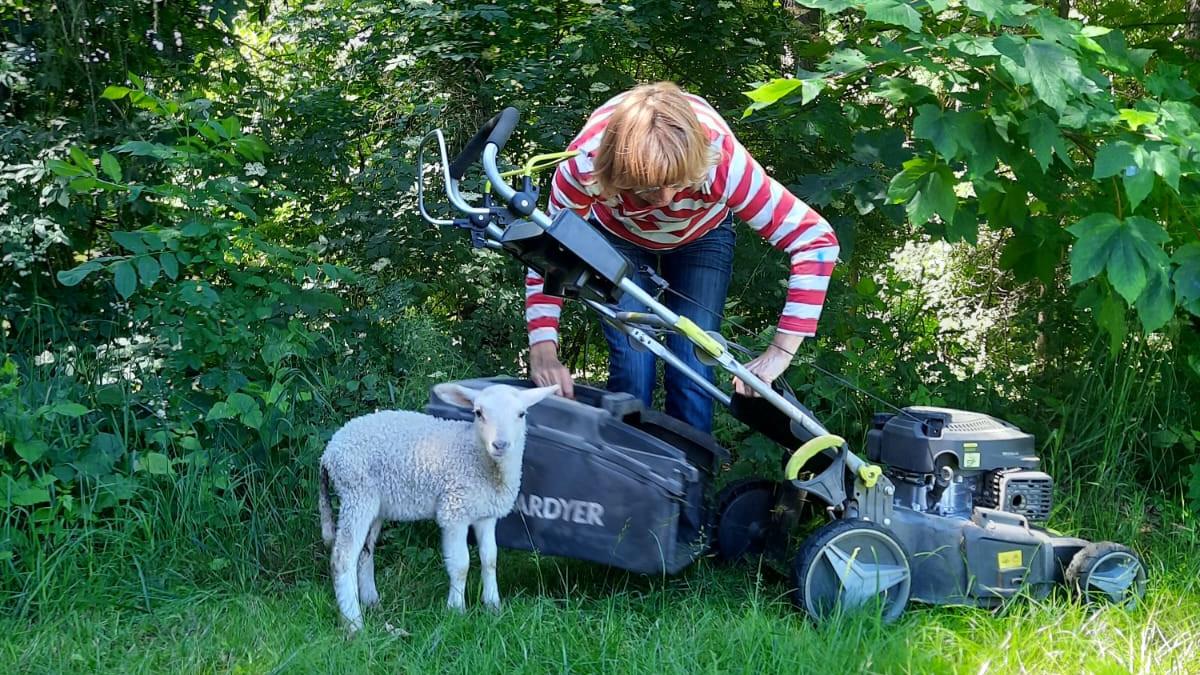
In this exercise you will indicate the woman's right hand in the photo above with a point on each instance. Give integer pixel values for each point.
(545, 369)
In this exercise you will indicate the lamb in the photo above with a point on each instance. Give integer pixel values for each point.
(403, 466)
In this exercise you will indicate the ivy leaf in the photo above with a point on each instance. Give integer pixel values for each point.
(124, 278)
(1187, 277)
(894, 13)
(1156, 305)
(1125, 249)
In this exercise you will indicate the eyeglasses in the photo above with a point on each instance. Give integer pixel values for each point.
(642, 192)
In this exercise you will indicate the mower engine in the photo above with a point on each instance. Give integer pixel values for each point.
(946, 462)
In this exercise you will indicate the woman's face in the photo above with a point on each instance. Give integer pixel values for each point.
(655, 197)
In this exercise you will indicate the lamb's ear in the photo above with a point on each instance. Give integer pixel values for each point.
(531, 396)
(456, 394)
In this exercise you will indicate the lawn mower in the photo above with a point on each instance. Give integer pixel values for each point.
(945, 506)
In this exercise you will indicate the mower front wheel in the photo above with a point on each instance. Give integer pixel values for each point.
(1107, 572)
(849, 564)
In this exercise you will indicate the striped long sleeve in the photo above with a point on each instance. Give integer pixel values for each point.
(789, 225)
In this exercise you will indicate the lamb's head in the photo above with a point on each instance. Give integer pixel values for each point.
(499, 413)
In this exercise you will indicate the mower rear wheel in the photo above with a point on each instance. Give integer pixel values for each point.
(848, 564)
(1107, 572)
(740, 525)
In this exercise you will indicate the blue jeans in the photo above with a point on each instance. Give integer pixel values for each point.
(700, 271)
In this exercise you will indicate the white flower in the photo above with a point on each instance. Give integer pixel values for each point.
(256, 169)
(43, 359)
(380, 264)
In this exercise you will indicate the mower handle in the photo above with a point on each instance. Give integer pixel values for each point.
(494, 132)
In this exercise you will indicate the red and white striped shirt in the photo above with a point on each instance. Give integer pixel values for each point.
(737, 183)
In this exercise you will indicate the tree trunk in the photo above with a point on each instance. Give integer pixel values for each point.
(1064, 8)
(1192, 32)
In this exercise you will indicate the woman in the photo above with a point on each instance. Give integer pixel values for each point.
(660, 173)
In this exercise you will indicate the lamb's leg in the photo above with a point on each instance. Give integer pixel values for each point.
(485, 537)
(367, 593)
(458, 561)
(354, 524)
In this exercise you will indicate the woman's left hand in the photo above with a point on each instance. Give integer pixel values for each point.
(771, 363)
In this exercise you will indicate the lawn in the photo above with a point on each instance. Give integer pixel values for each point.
(252, 595)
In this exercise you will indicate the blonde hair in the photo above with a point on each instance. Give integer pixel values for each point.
(653, 139)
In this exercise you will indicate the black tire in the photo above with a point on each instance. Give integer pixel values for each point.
(820, 591)
(1107, 572)
(740, 522)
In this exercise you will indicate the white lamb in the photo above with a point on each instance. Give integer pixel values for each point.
(405, 466)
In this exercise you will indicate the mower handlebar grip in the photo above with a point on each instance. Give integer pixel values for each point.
(496, 130)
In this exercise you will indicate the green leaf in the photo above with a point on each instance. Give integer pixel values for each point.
(147, 267)
(77, 274)
(32, 450)
(845, 61)
(220, 411)
(1045, 140)
(1113, 158)
(114, 93)
(1156, 305)
(773, 91)
(831, 6)
(1163, 159)
(124, 278)
(894, 13)
(928, 188)
(156, 463)
(1139, 178)
(1136, 118)
(1111, 318)
(70, 409)
(64, 169)
(990, 9)
(1053, 71)
(81, 160)
(170, 265)
(242, 403)
(1187, 277)
(1168, 81)
(934, 125)
(810, 89)
(131, 241)
(111, 167)
(30, 496)
(1127, 250)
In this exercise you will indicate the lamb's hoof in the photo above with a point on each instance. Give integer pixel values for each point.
(458, 606)
(395, 631)
(352, 628)
(492, 604)
(369, 599)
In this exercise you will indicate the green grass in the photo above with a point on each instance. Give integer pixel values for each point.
(170, 592)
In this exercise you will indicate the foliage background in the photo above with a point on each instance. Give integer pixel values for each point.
(211, 254)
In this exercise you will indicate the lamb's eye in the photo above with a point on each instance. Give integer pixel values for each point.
(478, 414)
(522, 415)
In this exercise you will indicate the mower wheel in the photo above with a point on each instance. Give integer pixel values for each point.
(848, 564)
(740, 524)
(1107, 572)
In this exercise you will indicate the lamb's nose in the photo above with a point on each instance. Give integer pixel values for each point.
(500, 445)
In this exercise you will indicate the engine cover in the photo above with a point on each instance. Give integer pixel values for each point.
(923, 440)
(1029, 493)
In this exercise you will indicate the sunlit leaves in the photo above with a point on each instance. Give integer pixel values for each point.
(925, 188)
(1129, 250)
